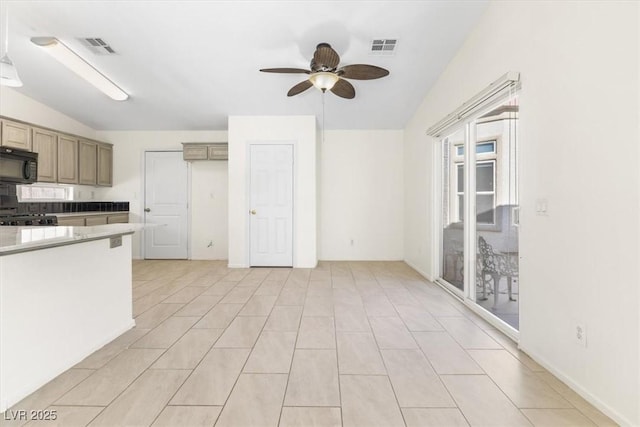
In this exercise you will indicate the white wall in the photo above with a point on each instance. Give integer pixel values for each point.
(18, 106)
(299, 130)
(208, 185)
(579, 138)
(361, 195)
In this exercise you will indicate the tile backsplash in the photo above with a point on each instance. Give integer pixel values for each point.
(69, 207)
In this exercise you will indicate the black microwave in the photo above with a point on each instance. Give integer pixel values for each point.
(18, 166)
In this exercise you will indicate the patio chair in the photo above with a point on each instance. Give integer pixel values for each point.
(496, 266)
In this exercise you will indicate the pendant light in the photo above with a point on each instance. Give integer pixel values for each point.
(8, 72)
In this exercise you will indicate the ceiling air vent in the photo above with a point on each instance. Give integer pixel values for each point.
(98, 46)
(383, 46)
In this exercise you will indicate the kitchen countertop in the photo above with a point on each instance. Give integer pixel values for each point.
(24, 239)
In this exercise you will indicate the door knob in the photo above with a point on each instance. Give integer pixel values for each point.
(147, 210)
(252, 211)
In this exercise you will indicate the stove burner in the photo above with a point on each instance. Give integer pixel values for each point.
(29, 220)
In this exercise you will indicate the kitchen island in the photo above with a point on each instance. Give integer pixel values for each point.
(64, 293)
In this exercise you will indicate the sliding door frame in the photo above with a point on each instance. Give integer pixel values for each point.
(468, 295)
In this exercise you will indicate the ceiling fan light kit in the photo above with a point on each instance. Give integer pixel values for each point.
(325, 74)
(324, 80)
(82, 68)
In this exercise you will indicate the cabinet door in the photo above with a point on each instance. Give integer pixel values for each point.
(71, 221)
(118, 218)
(87, 162)
(67, 159)
(16, 135)
(45, 143)
(194, 152)
(95, 220)
(105, 165)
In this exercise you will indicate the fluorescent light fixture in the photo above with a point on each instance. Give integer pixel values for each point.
(75, 63)
(324, 80)
(8, 73)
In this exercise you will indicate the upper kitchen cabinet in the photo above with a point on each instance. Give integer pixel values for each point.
(87, 163)
(16, 135)
(205, 151)
(62, 158)
(105, 165)
(67, 159)
(194, 151)
(45, 143)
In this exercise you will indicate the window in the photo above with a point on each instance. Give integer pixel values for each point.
(486, 147)
(485, 191)
(39, 193)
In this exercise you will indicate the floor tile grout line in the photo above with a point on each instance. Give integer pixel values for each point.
(171, 397)
(574, 406)
(384, 363)
(466, 350)
(432, 367)
(503, 394)
(245, 362)
(293, 355)
(335, 338)
(198, 364)
(169, 296)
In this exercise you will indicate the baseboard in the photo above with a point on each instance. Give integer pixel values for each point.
(419, 270)
(361, 259)
(237, 266)
(584, 393)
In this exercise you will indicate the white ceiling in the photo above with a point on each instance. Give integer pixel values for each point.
(191, 64)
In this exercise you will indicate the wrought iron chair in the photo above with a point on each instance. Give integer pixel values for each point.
(496, 266)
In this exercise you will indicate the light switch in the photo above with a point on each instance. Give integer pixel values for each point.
(541, 207)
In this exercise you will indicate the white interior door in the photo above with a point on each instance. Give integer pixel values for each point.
(271, 205)
(166, 204)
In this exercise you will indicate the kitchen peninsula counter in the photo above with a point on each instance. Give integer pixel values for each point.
(23, 239)
(64, 293)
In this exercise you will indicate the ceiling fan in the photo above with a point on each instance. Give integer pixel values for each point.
(325, 74)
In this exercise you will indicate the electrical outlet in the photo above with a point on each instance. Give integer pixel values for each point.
(581, 335)
(351, 242)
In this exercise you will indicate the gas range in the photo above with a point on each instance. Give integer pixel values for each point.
(28, 220)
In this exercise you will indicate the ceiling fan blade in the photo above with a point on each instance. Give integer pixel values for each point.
(326, 56)
(362, 72)
(344, 89)
(299, 88)
(285, 70)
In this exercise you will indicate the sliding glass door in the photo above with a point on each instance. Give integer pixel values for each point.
(479, 233)
(453, 195)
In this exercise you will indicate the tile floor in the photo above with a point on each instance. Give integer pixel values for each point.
(347, 343)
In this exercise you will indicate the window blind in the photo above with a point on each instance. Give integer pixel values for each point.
(496, 90)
